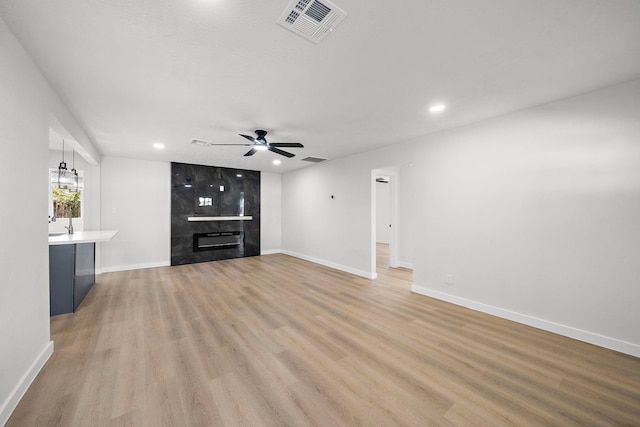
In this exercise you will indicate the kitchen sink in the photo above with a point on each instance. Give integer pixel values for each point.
(56, 234)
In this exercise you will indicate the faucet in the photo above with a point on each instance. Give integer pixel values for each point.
(52, 218)
(70, 227)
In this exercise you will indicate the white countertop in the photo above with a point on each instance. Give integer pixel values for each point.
(83, 237)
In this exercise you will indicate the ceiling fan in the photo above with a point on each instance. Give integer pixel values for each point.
(259, 143)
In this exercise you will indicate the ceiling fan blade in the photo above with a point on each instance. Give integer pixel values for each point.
(237, 145)
(282, 153)
(250, 138)
(251, 152)
(286, 144)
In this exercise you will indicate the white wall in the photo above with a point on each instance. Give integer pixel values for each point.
(535, 214)
(136, 201)
(24, 282)
(330, 231)
(270, 212)
(27, 106)
(405, 221)
(383, 212)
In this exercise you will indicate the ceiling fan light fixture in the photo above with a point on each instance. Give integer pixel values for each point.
(257, 143)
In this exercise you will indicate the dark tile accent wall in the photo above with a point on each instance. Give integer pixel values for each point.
(198, 190)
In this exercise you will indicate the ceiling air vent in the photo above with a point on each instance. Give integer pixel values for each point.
(311, 19)
(313, 159)
(200, 142)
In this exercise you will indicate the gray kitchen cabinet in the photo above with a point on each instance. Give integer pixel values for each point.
(71, 276)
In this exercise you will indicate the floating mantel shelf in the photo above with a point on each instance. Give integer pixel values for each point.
(219, 218)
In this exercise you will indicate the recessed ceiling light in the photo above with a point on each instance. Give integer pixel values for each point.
(437, 108)
(158, 146)
(276, 162)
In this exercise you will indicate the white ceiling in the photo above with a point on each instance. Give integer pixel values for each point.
(137, 72)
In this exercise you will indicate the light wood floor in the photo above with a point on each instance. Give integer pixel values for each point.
(274, 340)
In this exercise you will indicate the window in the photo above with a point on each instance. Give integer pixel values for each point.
(66, 203)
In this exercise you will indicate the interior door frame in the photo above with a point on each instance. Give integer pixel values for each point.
(393, 173)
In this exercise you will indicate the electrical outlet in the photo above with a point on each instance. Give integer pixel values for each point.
(449, 279)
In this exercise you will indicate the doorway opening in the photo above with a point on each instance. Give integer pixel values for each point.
(384, 225)
(391, 223)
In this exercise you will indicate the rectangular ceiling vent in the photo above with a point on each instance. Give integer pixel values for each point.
(311, 19)
(200, 142)
(313, 159)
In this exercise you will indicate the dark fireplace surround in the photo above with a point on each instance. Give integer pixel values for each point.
(215, 213)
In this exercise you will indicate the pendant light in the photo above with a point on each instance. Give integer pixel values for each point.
(74, 172)
(63, 178)
(77, 181)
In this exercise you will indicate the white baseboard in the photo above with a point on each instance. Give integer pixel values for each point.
(271, 251)
(404, 264)
(341, 267)
(135, 266)
(567, 331)
(8, 406)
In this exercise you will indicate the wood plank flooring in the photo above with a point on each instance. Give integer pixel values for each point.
(275, 340)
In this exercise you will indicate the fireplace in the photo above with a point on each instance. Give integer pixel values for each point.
(217, 240)
(215, 213)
